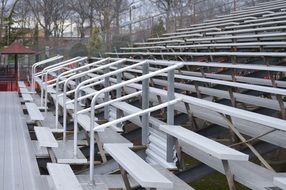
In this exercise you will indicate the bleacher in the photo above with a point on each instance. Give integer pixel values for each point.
(227, 72)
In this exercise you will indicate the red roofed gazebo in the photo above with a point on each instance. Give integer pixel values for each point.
(15, 49)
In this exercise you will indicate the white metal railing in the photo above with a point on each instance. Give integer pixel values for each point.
(72, 77)
(95, 95)
(43, 62)
(47, 71)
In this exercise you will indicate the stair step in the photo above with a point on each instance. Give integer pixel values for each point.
(111, 136)
(64, 153)
(63, 177)
(45, 137)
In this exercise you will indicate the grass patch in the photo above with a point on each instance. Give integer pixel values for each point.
(215, 181)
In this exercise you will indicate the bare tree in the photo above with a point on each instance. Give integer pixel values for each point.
(44, 12)
(106, 12)
(119, 7)
(24, 15)
(61, 15)
(181, 8)
(165, 6)
(81, 10)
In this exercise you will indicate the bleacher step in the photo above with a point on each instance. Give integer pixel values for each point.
(110, 136)
(141, 171)
(205, 144)
(64, 153)
(27, 98)
(34, 112)
(280, 182)
(45, 137)
(63, 177)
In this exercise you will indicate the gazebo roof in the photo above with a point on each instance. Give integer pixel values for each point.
(17, 48)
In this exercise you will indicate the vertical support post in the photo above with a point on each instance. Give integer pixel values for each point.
(125, 178)
(46, 94)
(118, 92)
(106, 95)
(170, 115)
(42, 90)
(228, 174)
(145, 105)
(75, 121)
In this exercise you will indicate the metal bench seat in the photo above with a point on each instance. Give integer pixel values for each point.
(21, 84)
(27, 98)
(211, 45)
(141, 171)
(253, 129)
(251, 175)
(45, 137)
(239, 54)
(205, 144)
(280, 182)
(250, 31)
(34, 112)
(25, 91)
(63, 177)
(61, 103)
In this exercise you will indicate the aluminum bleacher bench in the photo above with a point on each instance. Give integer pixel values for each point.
(27, 98)
(210, 111)
(205, 144)
(63, 177)
(207, 26)
(34, 112)
(176, 37)
(249, 30)
(136, 167)
(257, 24)
(61, 103)
(240, 54)
(190, 32)
(21, 84)
(106, 136)
(245, 172)
(280, 182)
(25, 91)
(216, 46)
(45, 137)
(210, 147)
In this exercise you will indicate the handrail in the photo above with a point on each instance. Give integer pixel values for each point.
(46, 73)
(80, 75)
(71, 72)
(35, 65)
(116, 86)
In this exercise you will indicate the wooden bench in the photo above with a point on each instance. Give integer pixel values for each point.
(45, 137)
(141, 171)
(34, 112)
(63, 177)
